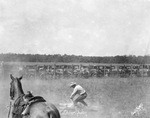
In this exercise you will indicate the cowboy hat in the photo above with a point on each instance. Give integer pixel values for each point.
(72, 84)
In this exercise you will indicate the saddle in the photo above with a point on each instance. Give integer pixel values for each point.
(22, 108)
(36, 99)
(32, 101)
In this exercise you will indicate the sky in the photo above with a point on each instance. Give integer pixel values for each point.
(78, 27)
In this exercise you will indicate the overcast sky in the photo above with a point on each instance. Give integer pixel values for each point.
(79, 27)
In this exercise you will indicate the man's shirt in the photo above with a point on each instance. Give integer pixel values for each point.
(77, 90)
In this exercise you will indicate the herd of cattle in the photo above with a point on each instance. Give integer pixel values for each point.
(46, 71)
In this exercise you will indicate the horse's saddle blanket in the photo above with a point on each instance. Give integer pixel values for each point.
(19, 104)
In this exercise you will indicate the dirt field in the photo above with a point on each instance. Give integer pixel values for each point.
(113, 97)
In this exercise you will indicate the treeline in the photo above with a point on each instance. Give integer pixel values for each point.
(131, 59)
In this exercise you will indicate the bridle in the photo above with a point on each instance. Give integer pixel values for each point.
(12, 90)
(12, 94)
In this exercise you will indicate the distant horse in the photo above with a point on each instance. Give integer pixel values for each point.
(37, 109)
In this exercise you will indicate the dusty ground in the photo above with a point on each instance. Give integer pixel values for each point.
(114, 97)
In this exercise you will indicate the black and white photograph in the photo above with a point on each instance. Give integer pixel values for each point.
(74, 58)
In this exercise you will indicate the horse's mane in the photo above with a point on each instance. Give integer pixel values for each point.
(20, 86)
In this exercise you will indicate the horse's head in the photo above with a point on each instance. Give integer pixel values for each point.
(15, 87)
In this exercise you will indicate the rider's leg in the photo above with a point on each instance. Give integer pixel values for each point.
(81, 99)
(83, 102)
(74, 102)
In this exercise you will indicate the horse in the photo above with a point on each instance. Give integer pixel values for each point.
(37, 110)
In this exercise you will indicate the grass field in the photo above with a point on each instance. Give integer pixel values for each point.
(114, 97)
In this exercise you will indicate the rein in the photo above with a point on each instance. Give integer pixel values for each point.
(9, 109)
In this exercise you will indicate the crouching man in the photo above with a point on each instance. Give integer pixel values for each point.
(78, 90)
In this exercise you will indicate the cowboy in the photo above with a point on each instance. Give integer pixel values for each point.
(78, 90)
(26, 98)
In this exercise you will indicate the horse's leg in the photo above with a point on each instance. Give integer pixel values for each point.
(53, 113)
(50, 115)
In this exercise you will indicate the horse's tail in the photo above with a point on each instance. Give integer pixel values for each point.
(53, 113)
